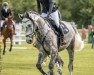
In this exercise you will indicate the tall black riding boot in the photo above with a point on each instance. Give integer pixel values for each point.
(1, 28)
(61, 35)
(14, 30)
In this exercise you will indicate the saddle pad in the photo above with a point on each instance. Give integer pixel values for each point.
(64, 28)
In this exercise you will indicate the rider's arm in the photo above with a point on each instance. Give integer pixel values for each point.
(38, 7)
(2, 15)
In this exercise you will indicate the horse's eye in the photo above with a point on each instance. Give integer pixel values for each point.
(29, 25)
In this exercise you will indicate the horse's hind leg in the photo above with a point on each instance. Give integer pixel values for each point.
(71, 58)
(4, 42)
(41, 58)
(59, 64)
(11, 44)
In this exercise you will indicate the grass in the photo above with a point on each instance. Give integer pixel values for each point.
(23, 62)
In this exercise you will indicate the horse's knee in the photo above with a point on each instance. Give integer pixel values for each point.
(11, 45)
(4, 52)
(38, 66)
(4, 45)
(51, 66)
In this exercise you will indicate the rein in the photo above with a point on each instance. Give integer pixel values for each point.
(34, 33)
(42, 43)
(25, 21)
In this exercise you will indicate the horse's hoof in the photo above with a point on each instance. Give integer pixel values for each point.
(10, 50)
(3, 53)
(48, 73)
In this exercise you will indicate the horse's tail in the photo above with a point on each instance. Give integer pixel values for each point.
(78, 44)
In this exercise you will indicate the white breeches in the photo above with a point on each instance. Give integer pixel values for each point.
(54, 16)
(2, 22)
(44, 15)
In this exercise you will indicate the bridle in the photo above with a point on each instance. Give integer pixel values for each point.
(30, 35)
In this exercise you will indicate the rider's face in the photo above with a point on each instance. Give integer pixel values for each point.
(5, 7)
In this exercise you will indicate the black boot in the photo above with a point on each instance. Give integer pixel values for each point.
(1, 28)
(14, 30)
(63, 42)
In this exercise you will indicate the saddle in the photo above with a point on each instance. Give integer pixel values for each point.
(54, 27)
(56, 30)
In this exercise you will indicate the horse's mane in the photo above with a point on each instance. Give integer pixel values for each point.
(33, 12)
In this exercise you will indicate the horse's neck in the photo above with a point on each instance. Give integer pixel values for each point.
(43, 30)
(9, 22)
(43, 25)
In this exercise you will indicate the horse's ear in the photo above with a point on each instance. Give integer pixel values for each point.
(21, 16)
(27, 14)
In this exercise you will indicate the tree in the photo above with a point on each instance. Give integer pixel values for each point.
(79, 11)
(1, 5)
(21, 6)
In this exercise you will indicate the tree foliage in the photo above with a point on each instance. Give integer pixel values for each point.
(1, 5)
(79, 11)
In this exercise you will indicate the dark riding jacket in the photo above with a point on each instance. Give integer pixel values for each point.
(5, 14)
(47, 6)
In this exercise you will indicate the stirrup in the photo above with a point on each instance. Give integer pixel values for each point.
(62, 41)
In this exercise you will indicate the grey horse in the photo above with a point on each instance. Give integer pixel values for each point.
(47, 41)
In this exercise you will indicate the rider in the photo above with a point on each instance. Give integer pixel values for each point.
(6, 12)
(49, 8)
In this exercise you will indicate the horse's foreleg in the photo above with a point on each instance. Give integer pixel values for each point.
(71, 58)
(4, 42)
(41, 58)
(11, 44)
(59, 64)
(52, 61)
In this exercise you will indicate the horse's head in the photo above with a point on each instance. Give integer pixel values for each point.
(8, 21)
(28, 21)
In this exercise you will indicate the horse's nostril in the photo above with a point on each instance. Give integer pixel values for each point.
(30, 40)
